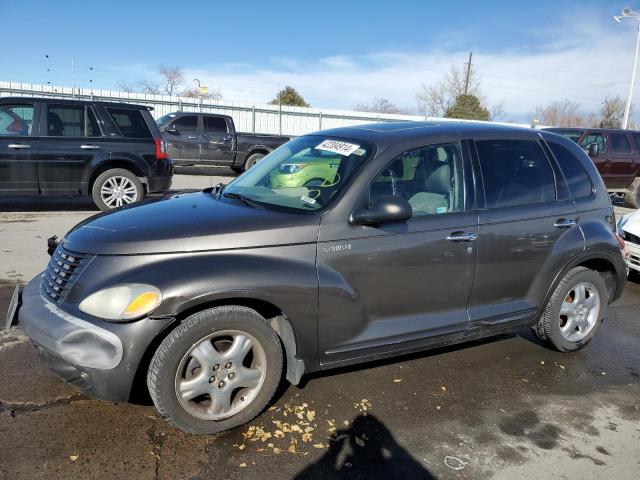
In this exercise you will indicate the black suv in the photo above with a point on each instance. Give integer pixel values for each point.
(422, 235)
(112, 151)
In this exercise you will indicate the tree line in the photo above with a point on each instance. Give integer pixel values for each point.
(458, 94)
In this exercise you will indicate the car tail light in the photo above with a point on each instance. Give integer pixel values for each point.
(161, 149)
(623, 247)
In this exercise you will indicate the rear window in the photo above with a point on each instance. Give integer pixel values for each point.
(130, 122)
(16, 119)
(515, 172)
(578, 180)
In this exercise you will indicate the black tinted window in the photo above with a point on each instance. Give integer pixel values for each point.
(620, 143)
(636, 139)
(187, 124)
(65, 121)
(577, 178)
(93, 130)
(429, 178)
(16, 119)
(215, 125)
(130, 122)
(515, 172)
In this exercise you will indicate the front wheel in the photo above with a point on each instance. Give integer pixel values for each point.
(252, 160)
(216, 371)
(115, 188)
(575, 311)
(632, 196)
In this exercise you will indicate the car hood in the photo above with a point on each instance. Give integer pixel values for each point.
(630, 223)
(188, 223)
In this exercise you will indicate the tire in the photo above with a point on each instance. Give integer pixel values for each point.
(252, 160)
(131, 191)
(174, 365)
(238, 170)
(632, 196)
(575, 329)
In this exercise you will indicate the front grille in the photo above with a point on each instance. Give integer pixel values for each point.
(62, 272)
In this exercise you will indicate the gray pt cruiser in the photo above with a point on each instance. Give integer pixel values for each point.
(415, 236)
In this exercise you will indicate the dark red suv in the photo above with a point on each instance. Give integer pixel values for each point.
(617, 157)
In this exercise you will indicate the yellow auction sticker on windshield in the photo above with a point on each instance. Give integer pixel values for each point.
(335, 146)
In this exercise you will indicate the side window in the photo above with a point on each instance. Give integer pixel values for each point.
(578, 180)
(186, 125)
(213, 125)
(16, 120)
(429, 178)
(65, 120)
(515, 172)
(130, 122)
(620, 143)
(93, 129)
(595, 138)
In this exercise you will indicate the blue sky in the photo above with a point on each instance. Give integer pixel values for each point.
(335, 53)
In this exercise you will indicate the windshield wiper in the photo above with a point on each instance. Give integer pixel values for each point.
(243, 199)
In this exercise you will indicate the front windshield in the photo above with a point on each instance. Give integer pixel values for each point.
(303, 174)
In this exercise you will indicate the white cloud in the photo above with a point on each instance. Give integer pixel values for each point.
(581, 61)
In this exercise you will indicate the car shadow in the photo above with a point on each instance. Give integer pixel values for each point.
(367, 449)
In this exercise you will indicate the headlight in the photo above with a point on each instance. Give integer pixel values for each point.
(122, 302)
(292, 167)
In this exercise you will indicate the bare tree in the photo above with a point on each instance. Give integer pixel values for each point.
(126, 86)
(563, 113)
(380, 105)
(172, 78)
(435, 100)
(612, 112)
(149, 86)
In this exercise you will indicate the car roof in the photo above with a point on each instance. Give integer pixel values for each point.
(405, 131)
(71, 101)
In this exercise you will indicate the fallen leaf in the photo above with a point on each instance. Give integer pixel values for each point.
(292, 448)
(318, 445)
(397, 380)
(346, 422)
(73, 458)
(306, 437)
(241, 447)
(311, 414)
(561, 366)
(278, 434)
(242, 465)
(541, 362)
(443, 388)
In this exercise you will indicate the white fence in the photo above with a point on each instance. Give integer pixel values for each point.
(258, 118)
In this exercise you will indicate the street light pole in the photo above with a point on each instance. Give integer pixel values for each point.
(628, 13)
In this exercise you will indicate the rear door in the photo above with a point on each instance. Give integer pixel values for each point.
(525, 212)
(18, 149)
(217, 140)
(184, 139)
(70, 139)
(621, 170)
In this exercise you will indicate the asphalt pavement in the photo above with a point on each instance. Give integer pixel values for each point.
(504, 408)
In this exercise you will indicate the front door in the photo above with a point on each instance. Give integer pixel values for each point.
(217, 141)
(183, 139)
(18, 149)
(70, 139)
(520, 224)
(401, 285)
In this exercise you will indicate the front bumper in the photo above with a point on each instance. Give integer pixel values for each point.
(88, 354)
(634, 256)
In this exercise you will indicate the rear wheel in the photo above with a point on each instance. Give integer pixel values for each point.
(252, 160)
(216, 371)
(575, 311)
(115, 188)
(632, 196)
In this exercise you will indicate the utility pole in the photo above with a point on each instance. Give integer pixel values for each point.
(628, 13)
(73, 77)
(466, 79)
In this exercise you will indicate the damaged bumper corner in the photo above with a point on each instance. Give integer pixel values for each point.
(72, 339)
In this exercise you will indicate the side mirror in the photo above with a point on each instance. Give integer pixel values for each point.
(593, 150)
(384, 209)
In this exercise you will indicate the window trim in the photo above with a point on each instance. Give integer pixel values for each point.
(540, 143)
(86, 122)
(107, 110)
(571, 195)
(463, 165)
(189, 114)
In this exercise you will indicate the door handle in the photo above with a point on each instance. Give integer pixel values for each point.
(564, 223)
(462, 237)
(19, 146)
(90, 147)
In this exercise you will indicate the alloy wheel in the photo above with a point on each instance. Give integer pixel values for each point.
(117, 191)
(580, 311)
